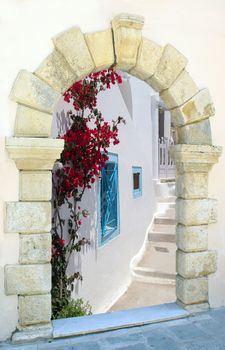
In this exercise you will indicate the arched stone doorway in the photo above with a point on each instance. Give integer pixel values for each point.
(75, 56)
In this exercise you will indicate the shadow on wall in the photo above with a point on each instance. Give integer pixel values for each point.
(63, 123)
(89, 228)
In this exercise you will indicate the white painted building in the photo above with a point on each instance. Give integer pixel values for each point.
(105, 264)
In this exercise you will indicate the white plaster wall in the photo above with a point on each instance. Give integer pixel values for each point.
(196, 28)
(105, 269)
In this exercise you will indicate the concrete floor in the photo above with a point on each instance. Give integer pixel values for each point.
(141, 294)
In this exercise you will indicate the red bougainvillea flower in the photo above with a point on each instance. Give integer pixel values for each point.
(55, 252)
(61, 242)
(86, 144)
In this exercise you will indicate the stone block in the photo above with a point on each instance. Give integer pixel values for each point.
(192, 185)
(199, 107)
(73, 47)
(170, 66)
(27, 279)
(192, 291)
(35, 185)
(32, 333)
(192, 238)
(32, 123)
(195, 158)
(101, 47)
(194, 308)
(127, 38)
(196, 264)
(35, 248)
(30, 91)
(193, 212)
(196, 134)
(148, 58)
(28, 217)
(34, 309)
(56, 72)
(34, 153)
(182, 89)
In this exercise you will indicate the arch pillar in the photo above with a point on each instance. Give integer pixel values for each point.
(31, 217)
(194, 212)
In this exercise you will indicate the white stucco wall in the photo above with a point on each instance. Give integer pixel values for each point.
(196, 28)
(105, 269)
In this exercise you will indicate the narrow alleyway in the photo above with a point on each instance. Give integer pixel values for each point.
(153, 276)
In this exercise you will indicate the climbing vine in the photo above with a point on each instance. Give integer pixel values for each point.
(85, 152)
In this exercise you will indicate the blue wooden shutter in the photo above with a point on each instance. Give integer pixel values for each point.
(109, 199)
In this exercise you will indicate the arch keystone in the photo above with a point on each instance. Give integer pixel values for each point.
(127, 38)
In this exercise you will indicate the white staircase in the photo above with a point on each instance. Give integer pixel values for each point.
(154, 272)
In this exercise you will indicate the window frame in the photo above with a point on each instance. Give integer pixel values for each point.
(103, 240)
(137, 192)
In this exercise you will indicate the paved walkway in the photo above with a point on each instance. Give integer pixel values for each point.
(204, 331)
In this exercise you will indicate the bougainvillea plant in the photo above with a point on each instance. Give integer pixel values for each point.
(85, 152)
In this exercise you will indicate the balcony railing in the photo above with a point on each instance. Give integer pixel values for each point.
(166, 164)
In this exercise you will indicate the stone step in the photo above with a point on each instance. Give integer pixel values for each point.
(161, 237)
(162, 233)
(154, 280)
(168, 180)
(167, 212)
(161, 228)
(164, 190)
(169, 199)
(158, 257)
(150, 272)
(166, 208)
(163, 220)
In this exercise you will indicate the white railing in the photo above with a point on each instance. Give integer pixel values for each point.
(166, 164)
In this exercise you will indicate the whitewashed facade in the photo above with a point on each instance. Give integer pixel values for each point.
(106, 267)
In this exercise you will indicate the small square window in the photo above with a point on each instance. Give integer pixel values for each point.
(137, 181)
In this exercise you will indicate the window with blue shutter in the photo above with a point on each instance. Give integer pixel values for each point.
(109, 200)
(137, 181)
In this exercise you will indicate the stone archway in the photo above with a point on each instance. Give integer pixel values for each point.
(75, 56)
